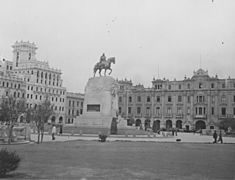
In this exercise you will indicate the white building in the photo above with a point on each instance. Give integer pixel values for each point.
(41, 80)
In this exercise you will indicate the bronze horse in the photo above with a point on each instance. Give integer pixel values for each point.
(104, 65)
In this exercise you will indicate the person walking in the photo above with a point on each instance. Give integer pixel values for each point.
(215, 137)
(173, 131)
(220, 137)
(61, 129)
(53, 132)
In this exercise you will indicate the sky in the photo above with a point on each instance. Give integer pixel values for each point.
(148, 38)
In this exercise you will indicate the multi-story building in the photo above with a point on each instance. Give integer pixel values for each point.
(199, 102)
(35, 80)
(74, 104)
(9, 83)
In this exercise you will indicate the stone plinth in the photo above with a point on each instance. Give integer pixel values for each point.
(100, 103)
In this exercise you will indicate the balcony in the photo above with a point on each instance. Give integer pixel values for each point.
(157, 115)
(168, 115)
(179, 116)
(147, 115)
(200, 116)
(227, 116)
(138, 115)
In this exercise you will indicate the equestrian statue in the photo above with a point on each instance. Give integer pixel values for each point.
(104, 64)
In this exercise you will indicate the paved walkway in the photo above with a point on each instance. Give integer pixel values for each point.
(184, 137)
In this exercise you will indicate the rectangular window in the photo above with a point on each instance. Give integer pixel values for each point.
(148, 110)
(200, 85)
(138, 110)
(188, 110)
(139, 98)
(169, 98)
(179, 110)
(168, 110)
(129, 110)
(200, 110)
(212, 110)
(188, 99)
(119, 110)
(130, 99)
(179, 86)
(234, 111)
(223, 99)
(179, 98)
(212, 85)
(213, 99)
(158, 110)
(158, 99)
(148, 99)
(120, 99)
(200, 99)
(223, 111)
(159, 86)
(169, 87)
(233, 98)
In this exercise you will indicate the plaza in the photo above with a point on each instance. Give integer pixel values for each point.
(125, 160)
(115, 90)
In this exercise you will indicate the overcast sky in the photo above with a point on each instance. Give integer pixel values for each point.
(174, 35)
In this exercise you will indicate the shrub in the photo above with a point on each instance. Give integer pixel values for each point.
(9, 161)
(102, 137)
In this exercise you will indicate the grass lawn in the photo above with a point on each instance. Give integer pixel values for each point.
(125, 160)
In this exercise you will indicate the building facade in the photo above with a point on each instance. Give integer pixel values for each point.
(41, 80)
(35, 80)
(10, 85)
(199, 102)
(74, 104)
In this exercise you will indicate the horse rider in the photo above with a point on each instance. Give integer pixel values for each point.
(103, 58)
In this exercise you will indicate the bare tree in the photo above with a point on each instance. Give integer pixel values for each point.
(11, 109)
(40, 115)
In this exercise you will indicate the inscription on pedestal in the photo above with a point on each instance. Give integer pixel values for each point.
(93, 107)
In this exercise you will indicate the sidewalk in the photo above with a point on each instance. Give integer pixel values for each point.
(184, 137)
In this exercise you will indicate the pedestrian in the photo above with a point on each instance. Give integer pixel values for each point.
(215, 137)
(173, 131)
(61, 129)
(176, 129)
(200, 132)
(53, 132)
(220, 137)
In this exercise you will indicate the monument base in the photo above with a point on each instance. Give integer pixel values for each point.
(89, 121)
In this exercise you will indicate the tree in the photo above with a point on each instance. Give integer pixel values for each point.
(11, 109)
(226, 123)
(40, 114)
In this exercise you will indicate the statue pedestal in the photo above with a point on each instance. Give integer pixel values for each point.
(100, 103)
